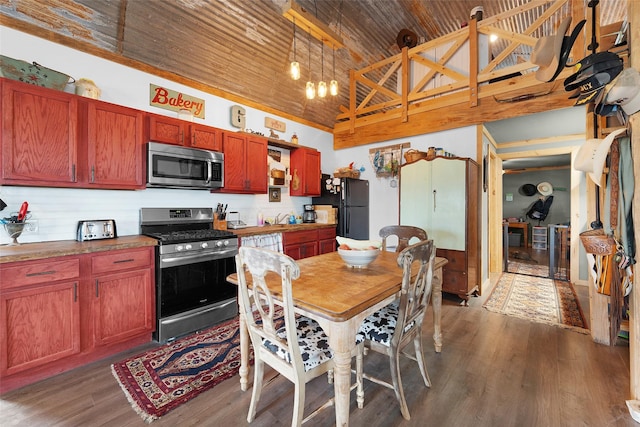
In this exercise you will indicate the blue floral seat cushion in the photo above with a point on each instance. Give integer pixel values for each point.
(313, 342)
(381, 325)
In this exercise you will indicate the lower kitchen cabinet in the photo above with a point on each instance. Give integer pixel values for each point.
(124, 295)
(301, 244)
(326, 240)
(60, 313)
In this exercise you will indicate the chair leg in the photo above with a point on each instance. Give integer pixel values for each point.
(298, 403)
(258, 369)
(359, 375)
(394, 364)
(417, 343)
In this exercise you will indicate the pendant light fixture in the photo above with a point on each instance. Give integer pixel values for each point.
(322, 85)
(311, 88)
(333, 85)
(295, 65)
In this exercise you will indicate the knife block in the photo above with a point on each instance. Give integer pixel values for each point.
(219, 224)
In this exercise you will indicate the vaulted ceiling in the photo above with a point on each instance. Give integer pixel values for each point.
(242, 48)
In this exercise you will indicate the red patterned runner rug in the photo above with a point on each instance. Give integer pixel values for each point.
(538, 299)
(159, 380)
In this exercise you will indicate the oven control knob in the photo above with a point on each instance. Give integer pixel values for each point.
(188, 246)
(204, 245)
(219, 243)
(179, 248)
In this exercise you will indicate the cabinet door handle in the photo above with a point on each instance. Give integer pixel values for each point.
(93, 173)
(123, 260)
(75, 292)
(97, 294)
(73, 173)
(181, 137)
(434, 200)
(41, 273)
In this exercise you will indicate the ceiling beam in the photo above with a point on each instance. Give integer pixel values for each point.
(310, 24)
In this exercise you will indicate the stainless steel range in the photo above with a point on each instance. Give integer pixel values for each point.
(192, 263)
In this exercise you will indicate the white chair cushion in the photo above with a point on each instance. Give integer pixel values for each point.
(313, 342)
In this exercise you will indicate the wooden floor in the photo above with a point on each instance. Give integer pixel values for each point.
(494, 370)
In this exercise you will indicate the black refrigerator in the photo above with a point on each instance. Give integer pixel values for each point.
(351, 197)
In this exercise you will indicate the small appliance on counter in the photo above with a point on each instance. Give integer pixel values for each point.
(96, 229)
(309, 215)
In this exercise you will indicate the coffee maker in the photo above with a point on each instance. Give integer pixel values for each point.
(309, 214)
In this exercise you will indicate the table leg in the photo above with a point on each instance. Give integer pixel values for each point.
(244, 349)
(341, 340)
(436, 300)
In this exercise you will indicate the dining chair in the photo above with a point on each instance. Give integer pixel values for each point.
(299, 350)
(404, 233)
(394, 326)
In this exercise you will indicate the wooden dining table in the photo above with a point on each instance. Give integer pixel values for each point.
(339, 298)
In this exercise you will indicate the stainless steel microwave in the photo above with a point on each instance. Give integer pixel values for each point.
(172, 166)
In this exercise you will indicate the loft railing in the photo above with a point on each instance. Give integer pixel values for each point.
(439, 73)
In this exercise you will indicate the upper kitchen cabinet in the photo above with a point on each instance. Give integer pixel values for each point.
(441, 196)
(52, 138)
(114, 146)
(39, 135)
(305, 172)
(245, 163)
(180, 132)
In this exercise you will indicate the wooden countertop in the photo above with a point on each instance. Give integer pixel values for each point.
(280, 228)
(41, 250)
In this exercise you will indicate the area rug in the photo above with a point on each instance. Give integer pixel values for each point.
(159, 380)
(532, 269)
(538, 299)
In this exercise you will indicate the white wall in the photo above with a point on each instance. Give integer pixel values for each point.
(58, 210)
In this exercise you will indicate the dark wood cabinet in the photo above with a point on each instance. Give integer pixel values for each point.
(442, 197)
(39, 135)
(301, 244)
(305, 171)
(245, 163)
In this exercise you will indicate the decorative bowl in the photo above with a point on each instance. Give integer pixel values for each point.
(358, 258)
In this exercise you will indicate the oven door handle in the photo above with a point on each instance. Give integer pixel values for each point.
(201, 257)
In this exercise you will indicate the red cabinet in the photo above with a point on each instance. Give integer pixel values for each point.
(305, 171)
(60, 313)
(55, 139)
(326, 240)
(245, 163)
(180, 132)
(123, 303)
(39, 135)
(114, 147)
(39, 313)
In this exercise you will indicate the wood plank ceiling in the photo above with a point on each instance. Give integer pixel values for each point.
(244, 47)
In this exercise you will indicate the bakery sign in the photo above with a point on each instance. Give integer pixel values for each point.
(168, 99)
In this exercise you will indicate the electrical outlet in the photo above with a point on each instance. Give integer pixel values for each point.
(31, 226)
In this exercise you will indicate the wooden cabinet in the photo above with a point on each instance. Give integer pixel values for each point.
(326, 240)
(170, 130)
(305, 172)
(245, 163)
(442, 197)
(114, 144)
(39, 135)
(124, 294)
(52, 138)
(301, 244)
(60, 313)
(39, 313)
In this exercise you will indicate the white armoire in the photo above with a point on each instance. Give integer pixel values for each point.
(441, 196)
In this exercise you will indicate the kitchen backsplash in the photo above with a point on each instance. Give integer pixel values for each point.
(58, 210)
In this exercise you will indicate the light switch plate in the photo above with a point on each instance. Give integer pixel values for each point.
(238, 116)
